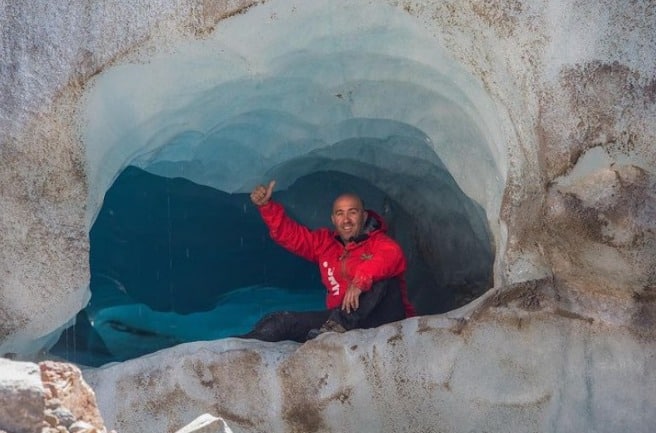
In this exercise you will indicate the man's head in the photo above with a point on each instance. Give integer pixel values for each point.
(348, 216)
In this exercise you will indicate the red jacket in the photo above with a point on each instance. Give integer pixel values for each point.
(376, 258)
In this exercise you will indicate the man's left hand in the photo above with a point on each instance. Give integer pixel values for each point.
(351, 300)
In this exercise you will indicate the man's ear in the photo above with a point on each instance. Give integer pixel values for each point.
(332, 219)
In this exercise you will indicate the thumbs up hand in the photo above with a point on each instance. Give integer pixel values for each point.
(262, 194)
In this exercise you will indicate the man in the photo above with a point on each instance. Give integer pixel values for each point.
(362, 268)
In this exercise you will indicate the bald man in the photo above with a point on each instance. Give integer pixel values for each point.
(361, 267)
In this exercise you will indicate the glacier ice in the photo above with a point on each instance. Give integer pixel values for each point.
(552, 81)
(243, 101)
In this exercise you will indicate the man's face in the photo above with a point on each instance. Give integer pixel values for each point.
(348, 216)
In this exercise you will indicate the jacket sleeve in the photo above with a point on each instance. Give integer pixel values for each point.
(387, 261)
(288, 233)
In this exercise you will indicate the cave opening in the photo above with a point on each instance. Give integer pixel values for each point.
(173, 261)
(175, 144)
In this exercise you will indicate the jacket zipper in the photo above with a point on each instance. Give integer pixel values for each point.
(342, 259)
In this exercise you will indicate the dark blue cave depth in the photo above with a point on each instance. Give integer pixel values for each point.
(178, 246)
(172, 261)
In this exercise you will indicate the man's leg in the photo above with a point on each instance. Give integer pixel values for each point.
(287, 325)
(389, 309)
(380, 304)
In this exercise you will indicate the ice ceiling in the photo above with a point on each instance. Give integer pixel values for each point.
(363, 101)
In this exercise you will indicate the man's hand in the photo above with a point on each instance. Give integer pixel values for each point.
(262, 194)
(351, 300)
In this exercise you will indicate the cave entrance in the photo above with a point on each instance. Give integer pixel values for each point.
(367, 100)
(173, 261)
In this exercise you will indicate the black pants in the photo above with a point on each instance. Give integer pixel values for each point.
(379, 305)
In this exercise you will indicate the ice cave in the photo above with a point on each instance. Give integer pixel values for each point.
(177, 252)
(509, 146)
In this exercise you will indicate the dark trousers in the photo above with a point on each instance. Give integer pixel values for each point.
(379, 305)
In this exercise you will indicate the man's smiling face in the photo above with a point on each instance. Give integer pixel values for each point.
(348, 216)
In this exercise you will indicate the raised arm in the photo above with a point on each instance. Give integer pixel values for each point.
(286, 232)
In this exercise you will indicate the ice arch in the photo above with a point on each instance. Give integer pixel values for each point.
(371, 100)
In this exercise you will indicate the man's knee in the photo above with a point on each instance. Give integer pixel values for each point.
(380, 291)
(271, 327)
(381, 304)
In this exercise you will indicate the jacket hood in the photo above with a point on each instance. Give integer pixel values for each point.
(374, 222)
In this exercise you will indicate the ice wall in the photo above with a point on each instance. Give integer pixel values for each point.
(269, 97)
(224, 111)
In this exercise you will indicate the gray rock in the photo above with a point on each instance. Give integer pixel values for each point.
(65, 417)
(22, 397)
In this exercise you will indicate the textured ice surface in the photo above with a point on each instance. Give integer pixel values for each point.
(222, 111)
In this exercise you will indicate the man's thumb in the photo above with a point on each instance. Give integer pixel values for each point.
(270, 188)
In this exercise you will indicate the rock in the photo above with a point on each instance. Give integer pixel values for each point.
(82, 427)
(51, 419)
(22, 397)
(50, 397)
(74, 395)
(65, 417)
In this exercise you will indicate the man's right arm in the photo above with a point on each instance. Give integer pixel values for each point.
(288, 233)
